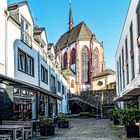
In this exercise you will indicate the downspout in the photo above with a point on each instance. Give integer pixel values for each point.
(38, 67)
(6, 44)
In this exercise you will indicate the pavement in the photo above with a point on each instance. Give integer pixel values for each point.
(88, 129)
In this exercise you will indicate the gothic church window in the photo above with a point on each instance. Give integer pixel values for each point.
(95, 62)
(73, 56)
(85, 63)
(72, 84)
(65, 60)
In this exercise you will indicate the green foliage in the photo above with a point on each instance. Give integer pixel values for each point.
(84, 114)
(62, 117)
(114, 113)
(129, 116)
(44, 121)
(126, 116)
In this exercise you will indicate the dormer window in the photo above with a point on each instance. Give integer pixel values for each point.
(25, 32)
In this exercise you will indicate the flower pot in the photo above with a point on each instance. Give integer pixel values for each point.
(47, 131)
(63, 124)
(132, 131)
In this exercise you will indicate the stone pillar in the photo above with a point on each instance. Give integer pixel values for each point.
(46, 108)
(34, 107)
(54, 109)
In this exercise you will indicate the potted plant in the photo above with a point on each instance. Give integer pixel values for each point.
(114, 113)
(46, 126)
(129, 117)
(63, 121)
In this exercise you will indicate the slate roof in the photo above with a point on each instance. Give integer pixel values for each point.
(50, 45)
(105, 72)
(79, 32)
(38, 30)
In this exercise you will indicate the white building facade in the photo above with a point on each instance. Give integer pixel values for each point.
(29, 74)
(128, 59)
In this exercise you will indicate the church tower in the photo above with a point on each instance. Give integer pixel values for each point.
(81, 55)
(71, 24)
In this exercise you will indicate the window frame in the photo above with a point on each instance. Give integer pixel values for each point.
(26, 56)
(44, 75)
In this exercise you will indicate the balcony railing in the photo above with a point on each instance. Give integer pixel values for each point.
(26, 38)
(53, 89)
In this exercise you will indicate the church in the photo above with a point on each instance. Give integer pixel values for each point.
(81, 56)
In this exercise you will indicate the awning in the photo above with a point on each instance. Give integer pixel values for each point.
(20, 84)
(128, 94)
(21, 100)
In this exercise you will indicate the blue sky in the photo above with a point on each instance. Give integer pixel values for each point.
(105, 18)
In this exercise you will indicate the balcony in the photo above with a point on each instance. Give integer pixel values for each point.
(26, 38)
(53, 89)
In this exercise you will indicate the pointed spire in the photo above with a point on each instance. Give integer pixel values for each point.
(71, 24)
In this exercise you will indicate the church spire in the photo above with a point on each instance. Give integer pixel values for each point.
(71, 24)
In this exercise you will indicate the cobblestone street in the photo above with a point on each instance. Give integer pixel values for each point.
(88, 129)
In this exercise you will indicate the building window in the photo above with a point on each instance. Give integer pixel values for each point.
(25, 32)
(59, 87)
(120, 73)
(126, 59)
(131, 36)
(85, 64)
(138, 19)
(53, 87)
(73, 56)
(30, 65)
(44, 75)
(72, 84)
(95, 62)
(118, 76)
(21, 61)
(63, 90)
(65, 60)
(25, 63)
(123, 67)
(132, 52)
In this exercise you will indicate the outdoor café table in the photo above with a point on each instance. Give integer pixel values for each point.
(14, 129)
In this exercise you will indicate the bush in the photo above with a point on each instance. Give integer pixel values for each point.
(45, 122)
(114, 113)
(84, 114)
(129, 116)
(62, 117)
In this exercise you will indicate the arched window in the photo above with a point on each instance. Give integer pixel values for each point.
(85, 61)
(73, 56)
(95, 61)
(65, 60)
(72, 84)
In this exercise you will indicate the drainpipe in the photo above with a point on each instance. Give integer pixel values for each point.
(6, 44)
(38, 67)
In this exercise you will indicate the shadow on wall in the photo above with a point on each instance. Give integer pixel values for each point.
(6, 110)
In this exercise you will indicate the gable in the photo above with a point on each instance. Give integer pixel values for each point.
(26, 13)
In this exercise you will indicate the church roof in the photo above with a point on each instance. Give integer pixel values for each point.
(79, 32)
(105, 72)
